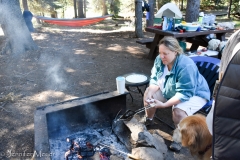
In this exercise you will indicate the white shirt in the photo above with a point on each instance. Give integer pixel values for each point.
(161, 79)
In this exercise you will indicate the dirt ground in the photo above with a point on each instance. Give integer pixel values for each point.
(70, 63)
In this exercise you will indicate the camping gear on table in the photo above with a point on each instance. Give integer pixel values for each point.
(170, 16)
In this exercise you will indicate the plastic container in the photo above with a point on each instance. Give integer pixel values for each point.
(164, 24)
(170, 24)
(190, 26)
(200, 18)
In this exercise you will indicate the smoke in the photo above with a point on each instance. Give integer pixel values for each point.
(93, 113)
(55, 78)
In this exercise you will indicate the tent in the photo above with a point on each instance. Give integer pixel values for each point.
(169, 10)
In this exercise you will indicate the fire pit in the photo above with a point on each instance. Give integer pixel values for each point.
(69, 119)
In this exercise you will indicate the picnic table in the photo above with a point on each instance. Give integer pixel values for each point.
(197, 38)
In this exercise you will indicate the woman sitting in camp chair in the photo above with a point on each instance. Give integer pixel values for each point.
(175, 82)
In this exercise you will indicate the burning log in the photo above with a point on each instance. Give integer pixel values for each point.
(70, 149)
(104, 154)
(82, 152)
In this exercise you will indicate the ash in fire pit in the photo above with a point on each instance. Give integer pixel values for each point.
(85, 145)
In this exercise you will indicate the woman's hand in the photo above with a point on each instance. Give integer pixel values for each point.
(159, 104)
(172, 101)
(148, 95)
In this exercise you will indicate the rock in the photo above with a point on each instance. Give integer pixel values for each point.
(147, 153)
(145, 139)
(159, 144)
(135, 127)
(123, 133)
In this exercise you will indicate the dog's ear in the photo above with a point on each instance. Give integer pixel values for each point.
(190, 138)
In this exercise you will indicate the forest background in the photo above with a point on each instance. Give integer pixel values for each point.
(125, 8)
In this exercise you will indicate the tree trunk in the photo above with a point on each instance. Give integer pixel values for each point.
(15, 29)
(80, 9)
(104, 11)
(75, 8)
(181, 5)
(151, 13)
(25, 5)
(138, 19)
(85, 8)
(53, 14)
(159, 4)
(229, 9)
(192, 11)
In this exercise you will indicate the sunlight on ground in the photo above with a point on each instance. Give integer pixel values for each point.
(24, 128)
(85, 84)
(39, 36)
(115, 48)
(80, 52)
(104, 31)
(46, 95)
(94, 30)
(1, 32)
(70, 70)
(133, 50)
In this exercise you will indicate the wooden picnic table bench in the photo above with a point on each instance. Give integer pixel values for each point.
(197, 38)
(146, 41)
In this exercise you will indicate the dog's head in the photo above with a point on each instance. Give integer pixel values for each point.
(194, 133)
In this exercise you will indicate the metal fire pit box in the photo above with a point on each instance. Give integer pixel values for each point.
(69, 116)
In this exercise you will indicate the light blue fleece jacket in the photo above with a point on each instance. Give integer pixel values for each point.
(183, 81)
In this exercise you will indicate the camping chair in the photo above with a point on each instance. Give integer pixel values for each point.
(209, 68)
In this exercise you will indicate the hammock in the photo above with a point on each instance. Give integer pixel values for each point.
(77, 22)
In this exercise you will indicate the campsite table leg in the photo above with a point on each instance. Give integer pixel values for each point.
(154, 46)
(220, 36)
(198, 41)
(194, 47)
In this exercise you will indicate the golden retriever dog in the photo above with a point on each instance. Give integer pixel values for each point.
(193, 133)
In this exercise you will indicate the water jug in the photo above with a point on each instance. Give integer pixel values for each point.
(164, 24)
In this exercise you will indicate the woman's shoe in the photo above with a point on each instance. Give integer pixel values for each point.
(146, 121)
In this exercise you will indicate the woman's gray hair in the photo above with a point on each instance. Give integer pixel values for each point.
(172, 44)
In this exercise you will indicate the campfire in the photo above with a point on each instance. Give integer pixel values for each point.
(79, 151)
(88, 128)
(88, 144)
